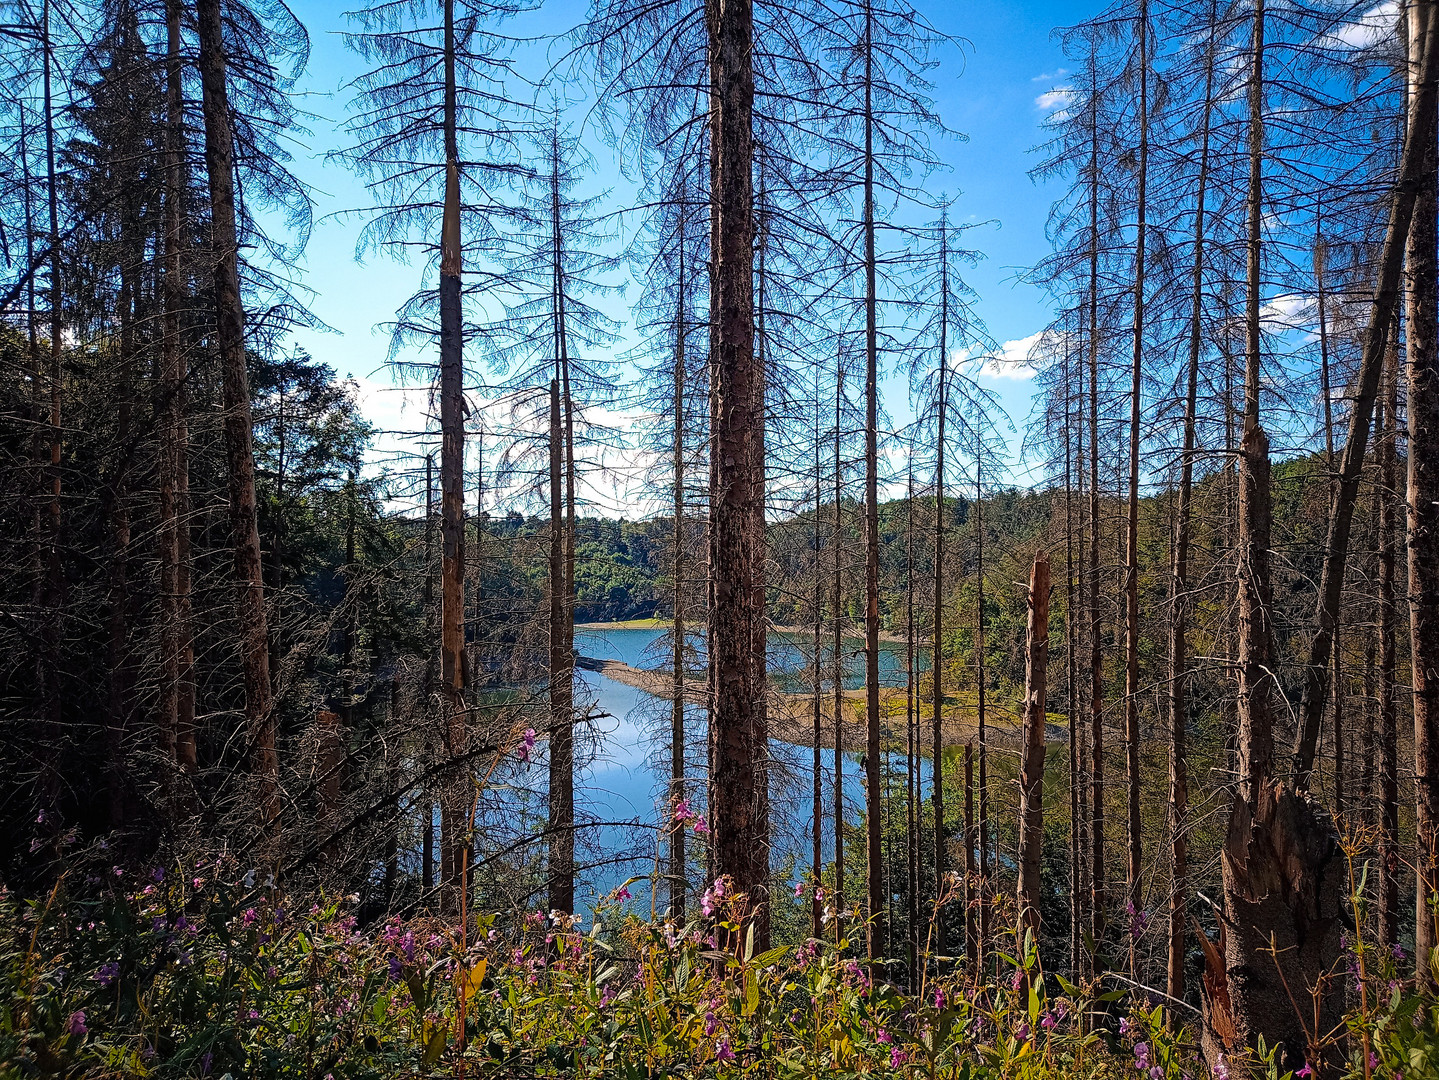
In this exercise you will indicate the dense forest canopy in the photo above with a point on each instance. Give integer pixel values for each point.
(1138, 690)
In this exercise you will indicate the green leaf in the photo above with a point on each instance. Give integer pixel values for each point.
(773, 956)
(751, 992)
(435, 1047)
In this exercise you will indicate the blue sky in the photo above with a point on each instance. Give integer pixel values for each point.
(990, 93)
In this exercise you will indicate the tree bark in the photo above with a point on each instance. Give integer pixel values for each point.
(253, 630)
(562, 754)
(936, 667)
(677, 871)
(874, 871)
(1179, 594)
(983, 724)
(1031, 767)
(1131, 522)
(740, 803)
(1098, 900)
(454, 816)
(177, 649)
(837, 688)
(1281, 896)
(1422, 479)
(1387, 495)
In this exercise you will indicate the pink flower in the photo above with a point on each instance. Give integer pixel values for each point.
(1305, 1072)
(897, 1057)
(527, 745)
(683, 812)
(249, 917)
(884, 1038)
(623, 894)
(77, 1023)
(723, 1051)
(701, 829)
(798, 889)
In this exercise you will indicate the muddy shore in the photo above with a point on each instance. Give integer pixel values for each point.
(791, 716)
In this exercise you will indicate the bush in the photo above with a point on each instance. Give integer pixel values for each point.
(205, 971)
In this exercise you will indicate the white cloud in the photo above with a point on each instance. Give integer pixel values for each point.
(1011, 360)
(1053, 101)
(1374, 26)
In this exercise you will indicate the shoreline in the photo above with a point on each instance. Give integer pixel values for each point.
(887, 636)
(791, 716)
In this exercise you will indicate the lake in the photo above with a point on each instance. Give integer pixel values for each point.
(625, 774)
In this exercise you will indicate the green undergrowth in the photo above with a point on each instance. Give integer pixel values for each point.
(201, 970)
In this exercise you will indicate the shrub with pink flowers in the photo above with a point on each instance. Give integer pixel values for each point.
(200, 974)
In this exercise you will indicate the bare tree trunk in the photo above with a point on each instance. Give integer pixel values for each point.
(911, 716)
(117, 497)
(177, 650)
(1131, 523)
(677, 871)
(1077, 806)
(941, 838)
(427, 841)
(1282, 910)
(838, 688)
(874, 871)
(50, 731)
(561, 756)
(971, 871)
(983, 725)
(1098, 900)
(239, 453)
(454, 823)
(739, 731)
(1031, 766)
(1179, 595)
(1387, 495)
(1422, 479)
(816, 904)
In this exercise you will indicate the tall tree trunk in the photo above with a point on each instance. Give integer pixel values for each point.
(1387, 495)
(983, 722)
(1131, 522)
(427, 825)
(677, 871)
(454, 816)
(1031, 766)
(1077, 913)
(936, 667)
(874, 870)
(177, 650)
(1179, 594)
(561, 756)
(239, 452)
(1097, 912)
(740, 802)
(50, 733)
(1282, 911)
(971, 870)
(911, 828)
(816, 902)
(1421, 378)
(837, 689)
(117, 497)
(1336, 686)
